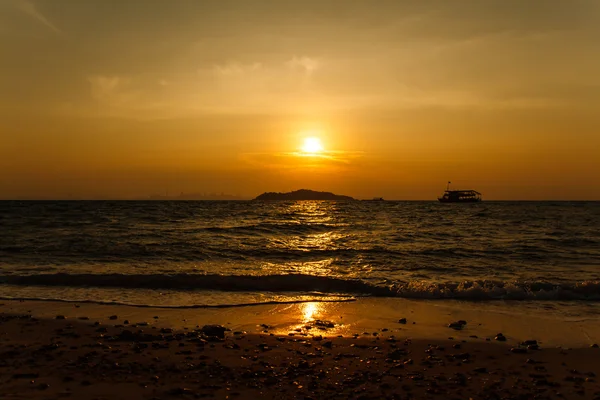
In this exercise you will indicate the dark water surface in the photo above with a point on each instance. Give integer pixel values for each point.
(223, 252)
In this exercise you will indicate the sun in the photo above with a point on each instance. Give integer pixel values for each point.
(312, 145)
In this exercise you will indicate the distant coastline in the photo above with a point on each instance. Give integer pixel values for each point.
(302, 194)
(196, 196)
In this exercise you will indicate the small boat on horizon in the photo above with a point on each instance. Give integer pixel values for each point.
(375, 199)
(460, 196)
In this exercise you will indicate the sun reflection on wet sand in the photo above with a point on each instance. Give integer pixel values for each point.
(311, 311)
(313, 319)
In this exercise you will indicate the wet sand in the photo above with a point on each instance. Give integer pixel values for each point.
(52, 350)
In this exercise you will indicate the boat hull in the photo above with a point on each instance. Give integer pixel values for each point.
(442, 200)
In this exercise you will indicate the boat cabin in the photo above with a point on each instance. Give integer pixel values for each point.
(460, 196)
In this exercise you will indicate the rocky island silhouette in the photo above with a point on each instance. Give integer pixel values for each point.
(302, 194)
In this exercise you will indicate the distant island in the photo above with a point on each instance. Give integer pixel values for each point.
(302, 194)
(196, 196)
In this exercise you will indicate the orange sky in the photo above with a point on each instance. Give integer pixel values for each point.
(107, 99)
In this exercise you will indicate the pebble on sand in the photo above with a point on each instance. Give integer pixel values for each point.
(214, 330)
(529, 343)
(324, 324)
(457, 325)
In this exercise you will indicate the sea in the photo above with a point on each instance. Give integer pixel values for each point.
(227, 253)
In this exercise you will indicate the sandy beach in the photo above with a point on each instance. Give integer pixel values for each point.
(52, 350)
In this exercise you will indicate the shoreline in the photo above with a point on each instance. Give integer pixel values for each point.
(425, 318)
(180, 307)
(64, 350)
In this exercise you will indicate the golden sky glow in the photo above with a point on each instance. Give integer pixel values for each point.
(105, 99)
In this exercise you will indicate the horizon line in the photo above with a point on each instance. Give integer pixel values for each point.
(252, 199)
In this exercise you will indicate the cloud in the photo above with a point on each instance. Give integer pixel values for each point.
(104, 88)
(255, 85)
(236, 68)
(31, 10)
(132, 97)
(306, 64)
(332, 159)
(330, 156)
(119, 95)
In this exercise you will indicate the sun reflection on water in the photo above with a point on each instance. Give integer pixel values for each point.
(314, 230)
(311, 212)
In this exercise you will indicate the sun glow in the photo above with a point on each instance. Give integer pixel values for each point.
(312, 145)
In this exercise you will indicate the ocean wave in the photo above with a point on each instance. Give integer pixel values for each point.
(233, 283)
(499, 290)
(191, 306)
(275, 228)
(466, 290)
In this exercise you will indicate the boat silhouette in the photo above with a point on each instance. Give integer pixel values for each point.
(460, 196)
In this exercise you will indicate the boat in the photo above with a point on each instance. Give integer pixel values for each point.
(375, 199)
(460, 196)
